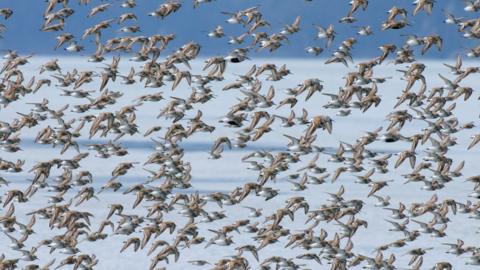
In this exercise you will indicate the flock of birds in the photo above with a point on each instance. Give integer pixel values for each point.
(169, 186)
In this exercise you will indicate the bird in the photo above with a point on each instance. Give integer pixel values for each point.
(208, 142)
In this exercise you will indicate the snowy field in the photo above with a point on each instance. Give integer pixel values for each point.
(229, 172)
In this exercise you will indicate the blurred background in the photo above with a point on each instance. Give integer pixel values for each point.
(193, 24)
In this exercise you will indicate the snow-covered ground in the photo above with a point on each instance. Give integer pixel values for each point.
(229, 172)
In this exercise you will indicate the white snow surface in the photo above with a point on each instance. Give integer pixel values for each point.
(228, 172)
